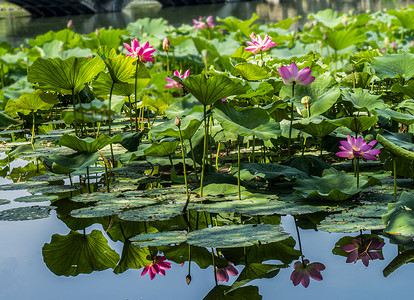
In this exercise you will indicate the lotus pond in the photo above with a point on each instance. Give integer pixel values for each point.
(238, 160)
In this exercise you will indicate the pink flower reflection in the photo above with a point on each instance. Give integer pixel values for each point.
(223, 273)
(158, 266)
(365, 250)
(304, 271)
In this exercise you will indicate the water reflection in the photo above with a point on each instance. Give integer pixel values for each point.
(16, 30)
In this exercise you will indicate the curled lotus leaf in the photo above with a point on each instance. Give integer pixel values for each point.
(4, 201)
(88, 145)
(236, 236)
(159, 238)
(65, 164)
(333, 187)
(400, 217)
(399, 117)
(396, 146)
(25, 213)
(356, 124)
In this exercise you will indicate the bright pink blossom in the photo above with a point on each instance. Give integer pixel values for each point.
(356, 147)
(291, 75)
(200, 24)
(174, 84)
(258, 44)
(158, 266)
(365, 250)
(304, 271)
(223, 273)
(143, 53)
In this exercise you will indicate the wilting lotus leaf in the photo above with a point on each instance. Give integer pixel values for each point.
(255, 271)
(356, 124)
(400, 217)
(54, 189)
(333, 187)
(153, 213)
(236, 236)
(402, 118)
(4, 201)
(65, 164)
(25, 213)
(347, 223)
(37, 198)
(219, 292)
(64, 76)
(78, 253)
(21, 186)
(396, 146)
(209, 90)
(394, 65)
(317, 126)
(88, 145)
(189, 125)
(133, 257)
(254, 121)
(159, 238)
(112, 207)
(362, 99)
(309, 164)
(268, 171)
(398, 261)
(252, 72)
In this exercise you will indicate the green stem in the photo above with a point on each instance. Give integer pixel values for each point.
(33, 131)
(74, 113)
(395, 178)
(204, 153)
(185, 171)
(89, 181)
(194, 162)
(291, 121)
(110, 122)
(238, 168)
(357, 171)
(130, 112)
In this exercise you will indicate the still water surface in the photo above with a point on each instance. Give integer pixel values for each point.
(24, 275)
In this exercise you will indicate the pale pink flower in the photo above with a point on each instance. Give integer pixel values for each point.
(222, 274)
(69, 25)
(356, 147)
(174, 84)
(200, 24)
(304, 271)
(258, 44)
(143, 53)
(365, 250)
(291, 75)
(158, 266)
(166, 44)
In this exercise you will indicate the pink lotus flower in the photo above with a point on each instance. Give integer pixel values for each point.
(200, 24)
(174, 84)
(143, 53)
(223, 273)
(291, 75)
(258, 44)
(365, 250)
(358, 148)
(69, 25)
(158, 266)
(304, 271)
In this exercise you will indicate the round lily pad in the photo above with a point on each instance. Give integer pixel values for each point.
(55, 189)
(159, 238)
(347, 223)
(37, 198)
(25, 213)
(95, 197)
(236, 236)
(49, 177)
(21, 186)
(153, 213)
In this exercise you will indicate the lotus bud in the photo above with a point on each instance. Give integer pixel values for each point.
(177, 121)
(394, 46)
(166, 44)
(69, 25)
(97, 32)
(387, 42)
(188, 279)
(345, 20)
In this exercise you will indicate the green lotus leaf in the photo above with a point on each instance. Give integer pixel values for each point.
(328, 17)
(156, 27)
(4, 201)
(6, 121)
(153, 213)
(268, 171)
(255, 271)
(214, 189)
(209, 90)
(131, 140)
(65, 164)
(405, 89)
(164, 147)
(398, 261)
(49, 177)
(64, 76)
(236, 236)
(405, 18)
(253, 121)
(309, 164)
(375, 210)
(317, 126)
(347, 223)
(78, 253)
(88, 145)
(105, 52)
(323, 94)
(183, 107)
(220, 292)
(394, 65)
(189, 126)
(341, 39)
(356, 124)
(37, 198)
(400, 219)
(159, 238)
(402, 118)
(333, 187)
(102, 86)
(235, 24)
(122, 69)
(362, 99)
(110, 37)
(25, 213)
(27, 103)
(55, 189)
(396, 146)
(252, 72)
(133, 257)
(95, 197)
(21, 186)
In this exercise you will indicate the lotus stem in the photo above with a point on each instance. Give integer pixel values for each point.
(185, 171)
(238, 169)
(291, 121)
(110, 121)
(299, 242)
(204, 153)
(394, 164)
(253, 146)
(194, 162)
(89, 180)
(217, 156)
(136, 94)
(70, 179)
(214, 266)
(2, 79)
(357, 171)
(33, 131)
(74, 113)
(130, 111)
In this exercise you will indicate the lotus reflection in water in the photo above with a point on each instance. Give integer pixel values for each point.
(365, 250)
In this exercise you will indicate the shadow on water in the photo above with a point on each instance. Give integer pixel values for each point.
(16, 30)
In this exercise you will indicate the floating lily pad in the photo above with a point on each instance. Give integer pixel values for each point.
(268, 171)
(236, 236)
(21, 186)
(153, 213)
(4, 201)
(37, 198)
(159, 238)
(48, 177)
(368, 211)
(347, 223)
(25, 213)
(95, 197)
(54, 189)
